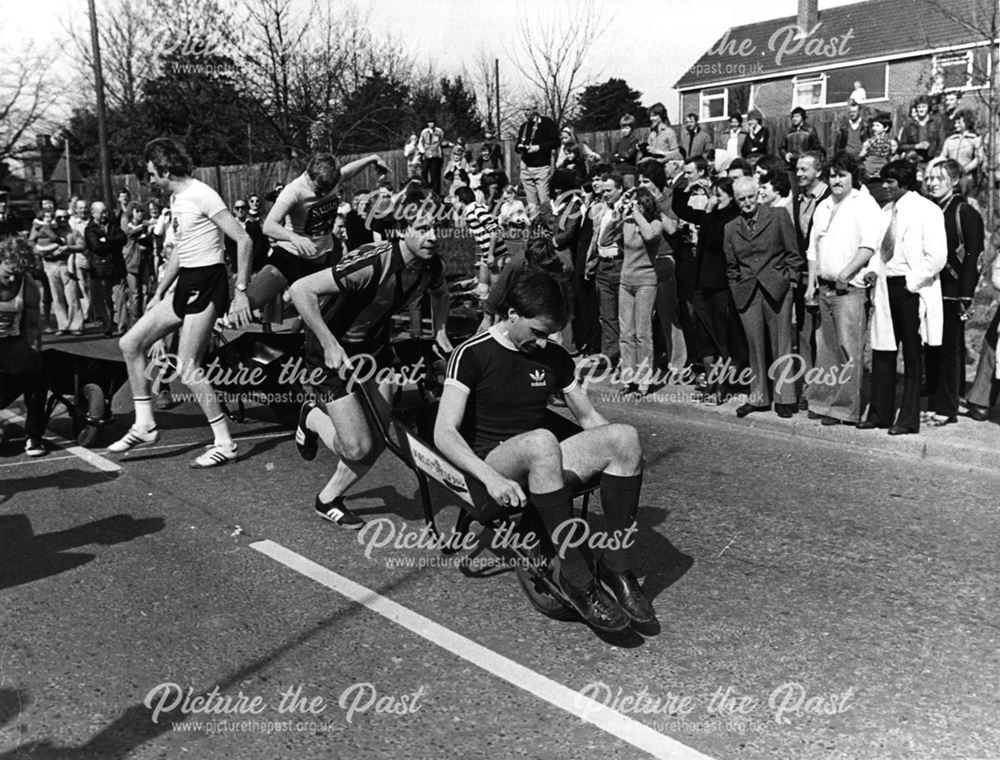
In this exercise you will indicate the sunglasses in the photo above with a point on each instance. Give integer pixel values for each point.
(240, 208)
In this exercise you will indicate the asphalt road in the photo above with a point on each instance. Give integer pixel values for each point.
(816, 603)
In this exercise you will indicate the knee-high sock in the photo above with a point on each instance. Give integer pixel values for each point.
(556, 508)
(620, 500)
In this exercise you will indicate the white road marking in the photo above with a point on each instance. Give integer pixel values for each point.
(95, 460)
(620, 726)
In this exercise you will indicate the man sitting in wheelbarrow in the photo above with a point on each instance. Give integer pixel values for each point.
(489, 424)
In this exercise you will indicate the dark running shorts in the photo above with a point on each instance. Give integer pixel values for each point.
(332, 386)
(294, 267)
(200, 286)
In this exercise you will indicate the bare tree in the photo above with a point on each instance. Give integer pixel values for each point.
(135, 37)
(28, 95)
(484, 80)
(127, 62)
(302, 64)
(552, 45)
(983, 26)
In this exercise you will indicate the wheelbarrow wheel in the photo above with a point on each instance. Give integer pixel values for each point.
(539, 596)
(540, 561)
(92, 405)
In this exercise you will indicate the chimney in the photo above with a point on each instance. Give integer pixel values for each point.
(808, 14)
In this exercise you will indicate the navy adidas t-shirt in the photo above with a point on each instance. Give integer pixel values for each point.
(508, 390)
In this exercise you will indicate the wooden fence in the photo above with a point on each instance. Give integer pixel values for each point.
(233, 182)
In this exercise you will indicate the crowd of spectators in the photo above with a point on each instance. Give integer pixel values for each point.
(755, 266)
(758, 272)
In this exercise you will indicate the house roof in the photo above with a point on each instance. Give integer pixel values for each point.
(865, 30)
(59, 172)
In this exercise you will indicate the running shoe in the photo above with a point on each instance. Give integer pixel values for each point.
(306, 440)
(338, 514)
(134, 439)
(216, 456)
(35, 447)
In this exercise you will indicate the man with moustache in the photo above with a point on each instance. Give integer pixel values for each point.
(844, 236)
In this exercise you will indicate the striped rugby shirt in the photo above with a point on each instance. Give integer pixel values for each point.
(482, 224)
(374, 284)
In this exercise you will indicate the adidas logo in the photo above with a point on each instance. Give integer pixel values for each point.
(537, 378)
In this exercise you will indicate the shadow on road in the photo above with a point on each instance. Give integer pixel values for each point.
(63, 480)
(26, 557)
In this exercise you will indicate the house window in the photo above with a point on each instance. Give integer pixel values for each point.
(719, 102)
(713, 103)
(955, 69)
(840, 83)
(962, 70)
(809, 91)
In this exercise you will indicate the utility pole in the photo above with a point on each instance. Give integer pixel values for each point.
(69, 173)
(496, 79)
(102, 126)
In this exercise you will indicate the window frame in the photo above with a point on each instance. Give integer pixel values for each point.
(800, 79)
(883, 96)
(937, 67)
(703, 103)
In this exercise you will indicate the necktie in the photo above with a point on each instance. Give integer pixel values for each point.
(889, 241)
(805, 211)
(751, 223)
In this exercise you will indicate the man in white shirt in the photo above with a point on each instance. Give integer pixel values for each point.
(913, 250)
(199, 219)
(844, 236)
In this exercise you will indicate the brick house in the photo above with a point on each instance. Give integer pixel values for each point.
(896, 49)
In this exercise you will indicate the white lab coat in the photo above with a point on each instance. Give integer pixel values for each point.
(920, 239)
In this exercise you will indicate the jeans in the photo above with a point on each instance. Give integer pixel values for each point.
(635, 320)
(951, 363)
(985, 388)
(65, 296)
(666, 307)
(840, 339)
(686, 272)
(609, 275)
(536, 184)
(135, 297)
(432, 173)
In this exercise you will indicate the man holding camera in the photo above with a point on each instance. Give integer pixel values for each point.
(537, 137)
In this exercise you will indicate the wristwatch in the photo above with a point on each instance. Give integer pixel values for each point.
(241, 288)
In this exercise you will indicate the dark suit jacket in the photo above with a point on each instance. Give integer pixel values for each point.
(710, 260)
(106, 243)
(768, 257)
(959, 278)
(545, 135)
(757, 145)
